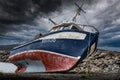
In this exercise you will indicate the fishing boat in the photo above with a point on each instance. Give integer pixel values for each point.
(60, 49)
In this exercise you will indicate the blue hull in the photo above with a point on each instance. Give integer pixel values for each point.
(71, 47)
(54, 54)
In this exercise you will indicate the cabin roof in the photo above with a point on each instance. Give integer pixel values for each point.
(78, 26)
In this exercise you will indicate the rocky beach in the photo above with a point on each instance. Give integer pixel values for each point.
(100, 62)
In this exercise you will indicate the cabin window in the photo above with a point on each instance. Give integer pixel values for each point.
(56, 29)
(73, 27)
(61, 28)
(52, 30)
(66, 28)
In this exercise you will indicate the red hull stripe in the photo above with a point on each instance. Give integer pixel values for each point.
(53, 62)
(21, 70)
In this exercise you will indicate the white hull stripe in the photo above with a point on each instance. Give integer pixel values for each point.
(66, 35)
(46, 52)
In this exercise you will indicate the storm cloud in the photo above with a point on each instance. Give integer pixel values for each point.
(16, 12)
(24, 19)
(23, 16)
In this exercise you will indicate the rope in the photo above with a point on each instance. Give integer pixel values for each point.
(88, 54)
(84, 17)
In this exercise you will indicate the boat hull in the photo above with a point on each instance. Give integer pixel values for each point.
(43, 61)
(55, 52)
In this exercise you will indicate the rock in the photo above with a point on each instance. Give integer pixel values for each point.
(101, 61)
(117, 62)
(102, 55)
(95, 69)
(4, 55)
(118, 56)
(108, 57)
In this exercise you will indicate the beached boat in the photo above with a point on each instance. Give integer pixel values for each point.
(58, 50)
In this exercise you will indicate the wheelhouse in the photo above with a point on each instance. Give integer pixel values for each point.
(73, 26)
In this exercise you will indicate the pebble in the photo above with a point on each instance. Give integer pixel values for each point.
(101, 61)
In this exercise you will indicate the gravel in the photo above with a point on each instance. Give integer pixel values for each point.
(100, 61)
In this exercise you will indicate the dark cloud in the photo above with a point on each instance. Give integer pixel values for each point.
(25, 18)
(21, 10)
(15, 13)
(109, 24)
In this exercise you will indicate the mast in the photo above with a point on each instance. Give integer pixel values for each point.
(52, 21)
(79, 10)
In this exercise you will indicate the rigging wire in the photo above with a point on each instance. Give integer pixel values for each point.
(85, 18)
(88, 53)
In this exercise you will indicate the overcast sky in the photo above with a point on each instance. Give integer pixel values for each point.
(21, 23)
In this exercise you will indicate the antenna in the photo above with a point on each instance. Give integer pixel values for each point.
(52, 21)
(78, 11)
